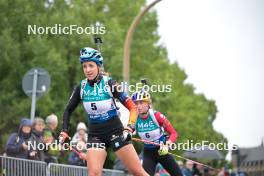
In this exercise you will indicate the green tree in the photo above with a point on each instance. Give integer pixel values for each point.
(190, 113)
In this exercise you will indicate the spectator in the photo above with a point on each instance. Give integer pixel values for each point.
(17, 144)
(187, 171)
(49, 138)
(81, 133)
(200, 169)
(51, 126)
(180, 163)
(38, 136)
(79, 139)
(196, 171)
(78, 160)
(206, 171)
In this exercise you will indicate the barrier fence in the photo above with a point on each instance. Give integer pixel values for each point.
(21, 167)
(70, 170)
(10, 166)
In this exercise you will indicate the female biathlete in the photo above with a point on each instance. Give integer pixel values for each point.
(97, 93)
(150, 127)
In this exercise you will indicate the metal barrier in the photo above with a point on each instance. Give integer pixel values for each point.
(10, 166)
(109, 172)
(70, 170)
(21, 167)
(66, 170)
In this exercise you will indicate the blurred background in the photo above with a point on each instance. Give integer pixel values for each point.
(211, 52)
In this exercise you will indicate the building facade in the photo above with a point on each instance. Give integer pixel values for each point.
(249, 160)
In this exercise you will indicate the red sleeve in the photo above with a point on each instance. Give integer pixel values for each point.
(165, 123)
(129, 104)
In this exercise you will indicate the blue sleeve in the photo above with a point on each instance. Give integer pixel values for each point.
(12, 147)
(121, 96)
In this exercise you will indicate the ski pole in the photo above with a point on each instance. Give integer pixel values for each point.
(178, 156)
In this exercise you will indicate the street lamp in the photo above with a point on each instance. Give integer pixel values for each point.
(132, 28)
